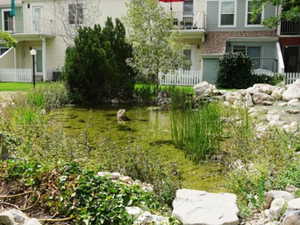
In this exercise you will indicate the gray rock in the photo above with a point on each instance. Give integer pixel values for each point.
(294, 204)
(134, 211)
(16, 217)
(193, 207)
(294, 102)
(293, 111)
(262, 98)
(274, 194)
(205, 89)
(276, 209)
(148, 218)
(292, 218)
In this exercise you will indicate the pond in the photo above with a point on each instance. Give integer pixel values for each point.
(146, 129)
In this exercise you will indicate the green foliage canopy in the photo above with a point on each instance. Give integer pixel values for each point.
(9, 41)
(290, 10)
(96, 68)
(150, 32)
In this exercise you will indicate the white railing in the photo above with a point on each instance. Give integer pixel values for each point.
(195, 21)
(291, 77)
(15, 75)
(181, 77)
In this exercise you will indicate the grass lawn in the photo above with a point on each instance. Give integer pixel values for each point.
(15, 86)
(187, 89)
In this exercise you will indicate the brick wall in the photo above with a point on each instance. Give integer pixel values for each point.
(215, 42)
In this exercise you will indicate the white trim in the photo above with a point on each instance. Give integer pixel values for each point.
(3, 23)
(44, 58)
(4, 54)
(246, 16)
(235, 14)
(281, 67)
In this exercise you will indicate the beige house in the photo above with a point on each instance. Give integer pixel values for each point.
(48, 26)
(209, 28)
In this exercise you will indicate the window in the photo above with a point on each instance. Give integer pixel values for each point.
(188, 57)
(227, 13)
(7, 21)
(188, 8)
(3, 50)
(36, 19)
(251, 20)
(75, 14)
(253, 52)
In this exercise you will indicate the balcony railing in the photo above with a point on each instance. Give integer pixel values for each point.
(290, 28)
(194, 21)
(268, 64)
(44, 26)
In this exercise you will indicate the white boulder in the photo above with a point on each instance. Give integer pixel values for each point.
(276, 209)
(277, 93)
(148, 218)
(263, 88)
(262, 98)
(292, 92)
(16, 217)
(204, 89)
(274, 194)
(294, 102)
(291, 128)
(294, 204)
(134, 211)
(193, 207)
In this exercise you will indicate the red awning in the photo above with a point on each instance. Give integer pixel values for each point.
(171, 0)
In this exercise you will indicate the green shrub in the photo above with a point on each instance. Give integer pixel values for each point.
(235, 71)
(96, 68)
(290, 175)
(266, 79)
(198, 132)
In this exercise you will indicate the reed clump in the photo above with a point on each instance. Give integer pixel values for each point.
(197, 131)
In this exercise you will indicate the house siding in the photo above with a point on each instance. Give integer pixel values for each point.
(213, 17)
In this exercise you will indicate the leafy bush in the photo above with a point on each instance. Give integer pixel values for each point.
(266, 79)
(78, 194)
(235, 71)
(96, 67)
(198, 132)
(288, 176)
(145, 166)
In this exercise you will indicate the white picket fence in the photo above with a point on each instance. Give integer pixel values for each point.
(291, 77)
(181, 77)
(15, 75)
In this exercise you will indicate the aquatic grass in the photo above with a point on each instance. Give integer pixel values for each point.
(198, 132)
(48, 97)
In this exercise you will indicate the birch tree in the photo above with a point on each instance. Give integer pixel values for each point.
(150, 33)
